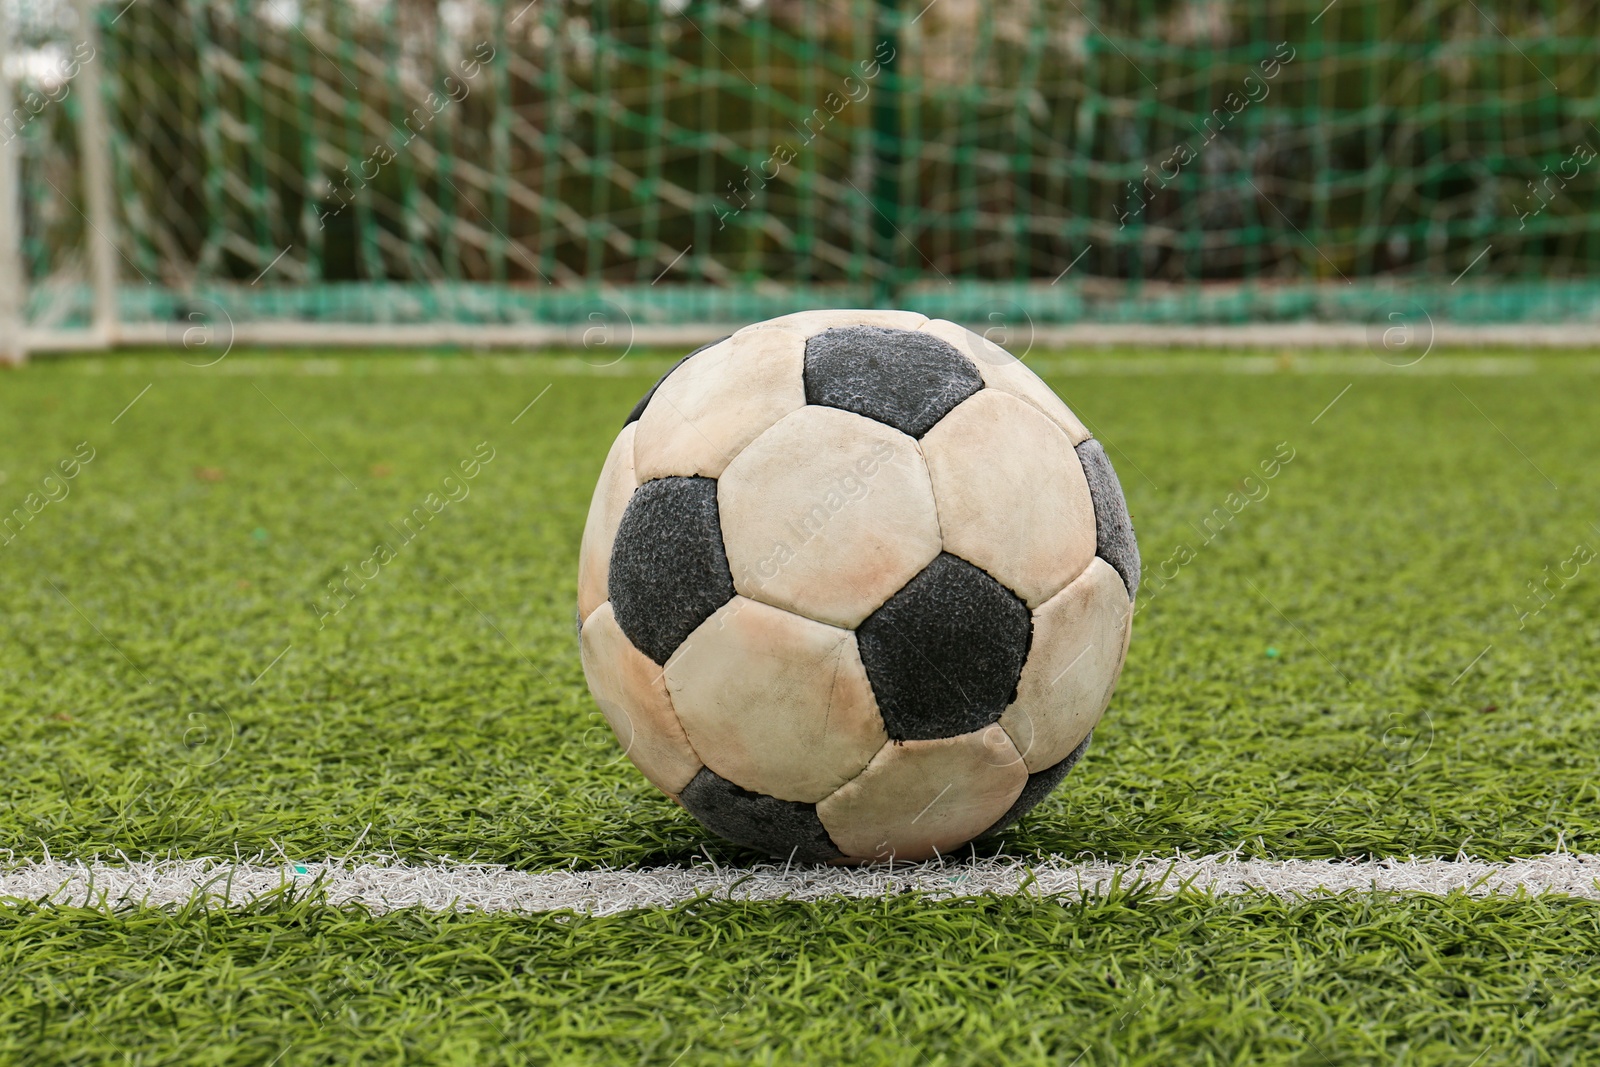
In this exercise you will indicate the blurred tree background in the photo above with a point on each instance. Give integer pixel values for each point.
(1127, 152)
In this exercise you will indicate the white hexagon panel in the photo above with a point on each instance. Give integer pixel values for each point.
(921, 799)
(1080, 638)
(1011, 494)
(717, 401)
(755, 686)
(632, 695)
(827, 514)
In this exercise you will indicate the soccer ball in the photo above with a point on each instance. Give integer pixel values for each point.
(855, 587)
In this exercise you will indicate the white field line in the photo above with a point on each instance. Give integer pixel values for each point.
(383, 884)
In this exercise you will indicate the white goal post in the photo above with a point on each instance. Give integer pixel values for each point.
(13, 280)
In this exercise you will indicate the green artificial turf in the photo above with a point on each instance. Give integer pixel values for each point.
(1300, 688)
(1015, 981)
(1338, 667)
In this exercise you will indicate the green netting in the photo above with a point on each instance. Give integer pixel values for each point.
(1204, 160)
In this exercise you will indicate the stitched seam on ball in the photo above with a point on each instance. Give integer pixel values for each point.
(933, 490)
(1040, 408)
(747, 445)
(796, 612)
(930, 740)
(875, 753)
(1072, 449)
(801, 383)
(611, 539)
(1113, 566)
(971, 357)
(673, 704)
(1094, 518)
(687, 421)
(729, 457)
(1022, 757)
(850, 637)
(650, 395)
(1094, 502)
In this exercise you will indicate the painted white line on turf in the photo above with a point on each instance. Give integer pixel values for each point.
(387, 884)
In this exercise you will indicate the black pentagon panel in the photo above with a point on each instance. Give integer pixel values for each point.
(1040, 784)
(778, 828)
(644, 401)
(944, 654)
(1113, 529)
(669, 570)
(904, 378)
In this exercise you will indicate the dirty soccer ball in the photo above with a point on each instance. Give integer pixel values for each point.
(855, 587)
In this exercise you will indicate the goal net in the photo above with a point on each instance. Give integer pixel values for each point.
(371, 165)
